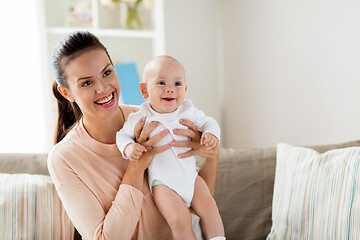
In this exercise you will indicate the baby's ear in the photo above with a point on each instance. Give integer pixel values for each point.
(143, 90)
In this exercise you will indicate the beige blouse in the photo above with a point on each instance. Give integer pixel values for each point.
(87, 175)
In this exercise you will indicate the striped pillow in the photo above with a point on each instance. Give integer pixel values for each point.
(31, 209)
(316, 196)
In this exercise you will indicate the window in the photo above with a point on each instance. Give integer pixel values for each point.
(24, 90)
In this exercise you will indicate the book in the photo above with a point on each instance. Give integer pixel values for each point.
(129, 83)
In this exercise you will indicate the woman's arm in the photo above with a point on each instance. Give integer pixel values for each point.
(209, 169)
(86, 212)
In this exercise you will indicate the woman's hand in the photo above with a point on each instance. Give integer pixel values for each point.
(142, 137)
(143, 162)
(142, 133)
(195, 135)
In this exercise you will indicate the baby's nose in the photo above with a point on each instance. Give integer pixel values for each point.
(169, 89)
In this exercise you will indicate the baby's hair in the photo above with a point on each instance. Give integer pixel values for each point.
(159, 58)
(166, 57)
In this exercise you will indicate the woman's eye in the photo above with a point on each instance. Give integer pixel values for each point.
(107, 73)
(86, 83)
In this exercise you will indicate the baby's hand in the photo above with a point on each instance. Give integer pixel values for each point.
(209, 140)
(134, 151)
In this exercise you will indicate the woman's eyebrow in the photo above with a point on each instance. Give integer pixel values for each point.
(83, 78)
(106, 67)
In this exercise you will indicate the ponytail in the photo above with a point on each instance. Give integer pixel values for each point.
(68, 49)
(68, 114)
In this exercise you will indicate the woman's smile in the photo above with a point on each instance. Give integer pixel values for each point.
(106, 101)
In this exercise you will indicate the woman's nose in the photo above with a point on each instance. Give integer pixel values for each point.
(101, 86)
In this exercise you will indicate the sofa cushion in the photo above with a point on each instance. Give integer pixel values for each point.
(31, 209)
(315, 194)
(244, 189)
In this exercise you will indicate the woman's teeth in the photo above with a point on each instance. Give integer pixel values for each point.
(105, 100)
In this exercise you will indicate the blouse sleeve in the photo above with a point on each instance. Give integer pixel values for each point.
(87, 213)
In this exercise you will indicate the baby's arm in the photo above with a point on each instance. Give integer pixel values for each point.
(125, 138)
(209, 140)
(134, 151)
(207, 125)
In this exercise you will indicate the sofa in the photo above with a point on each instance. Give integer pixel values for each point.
(243, 191)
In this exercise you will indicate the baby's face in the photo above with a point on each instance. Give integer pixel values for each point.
(165, 85)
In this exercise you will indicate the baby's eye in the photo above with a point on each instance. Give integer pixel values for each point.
(162, 83)
(86, 83)
(178, 84)
(107, 73)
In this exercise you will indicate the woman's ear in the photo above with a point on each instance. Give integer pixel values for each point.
(143, 90)
(65, 93)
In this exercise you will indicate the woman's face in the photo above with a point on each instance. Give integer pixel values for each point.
(93, 84)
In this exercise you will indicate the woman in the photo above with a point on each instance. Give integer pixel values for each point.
(105, 196)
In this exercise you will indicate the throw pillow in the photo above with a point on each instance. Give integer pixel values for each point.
(31, 209)
(316, 196)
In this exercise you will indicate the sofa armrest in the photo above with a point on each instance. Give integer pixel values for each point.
(24, 163)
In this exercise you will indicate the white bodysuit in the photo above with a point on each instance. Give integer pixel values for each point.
(178, 174)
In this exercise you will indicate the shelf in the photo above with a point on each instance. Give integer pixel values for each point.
(146, 34)
(124, 45)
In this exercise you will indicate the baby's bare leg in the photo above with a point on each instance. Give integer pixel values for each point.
(205, 207)
(175, 211)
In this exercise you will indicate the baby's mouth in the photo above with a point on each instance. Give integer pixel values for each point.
(168, 99)
(105, 100)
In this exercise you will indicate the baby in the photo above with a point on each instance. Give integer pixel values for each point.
(174, 182)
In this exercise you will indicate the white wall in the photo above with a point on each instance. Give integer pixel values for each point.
(268, 71)
(191, 36)
(291, 72)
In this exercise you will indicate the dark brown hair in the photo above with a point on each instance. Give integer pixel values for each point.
(70, 47)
